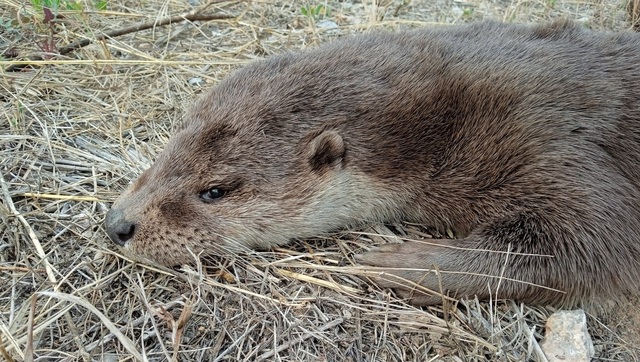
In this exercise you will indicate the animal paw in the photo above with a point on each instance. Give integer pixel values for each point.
(412, 269)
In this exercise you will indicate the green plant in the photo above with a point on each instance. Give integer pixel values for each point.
(314, 12)
(6, 24)
(39, 5)
(101, 4)
(45, 19)
(56, 5)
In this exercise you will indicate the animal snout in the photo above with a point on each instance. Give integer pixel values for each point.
(119, 229)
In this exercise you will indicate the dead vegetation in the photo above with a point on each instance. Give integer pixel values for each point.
(78, 125)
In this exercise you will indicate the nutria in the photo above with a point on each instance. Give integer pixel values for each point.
(522, 140)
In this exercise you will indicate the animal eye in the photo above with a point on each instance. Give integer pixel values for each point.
(212, 194)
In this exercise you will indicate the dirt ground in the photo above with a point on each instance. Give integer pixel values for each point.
(79, 122)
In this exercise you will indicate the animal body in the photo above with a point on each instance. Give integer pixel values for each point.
(522, 140)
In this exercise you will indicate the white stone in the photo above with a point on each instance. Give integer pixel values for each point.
(196, 81)
(327, 24)
(566, 337)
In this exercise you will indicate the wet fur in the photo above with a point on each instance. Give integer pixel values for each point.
(520, 139)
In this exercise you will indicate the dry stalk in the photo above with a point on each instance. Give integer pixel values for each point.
(193, 15)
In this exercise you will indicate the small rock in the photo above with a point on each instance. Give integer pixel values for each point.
(327, 24)
(457, 11)
(196, 82)
(566, 337)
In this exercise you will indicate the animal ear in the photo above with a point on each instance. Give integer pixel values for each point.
(325, 149)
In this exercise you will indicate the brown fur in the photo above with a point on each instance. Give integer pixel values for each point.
(520, 139)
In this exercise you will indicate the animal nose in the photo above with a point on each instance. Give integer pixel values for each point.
(119, 229)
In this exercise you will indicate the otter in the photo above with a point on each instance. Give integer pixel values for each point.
(524, 140)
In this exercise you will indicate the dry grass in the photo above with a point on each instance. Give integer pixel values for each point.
(74, 130)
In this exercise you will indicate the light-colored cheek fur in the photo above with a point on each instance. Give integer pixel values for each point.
(246, 236)
(346, 200)
(340, 200)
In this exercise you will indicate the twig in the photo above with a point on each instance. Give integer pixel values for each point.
(32, 235)
(193, 15)
(43, 256)
(28, 352)
(60, 197)
(4, 353)
(235, 342)
(143, 26)
(294, 341)
(124, 340)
